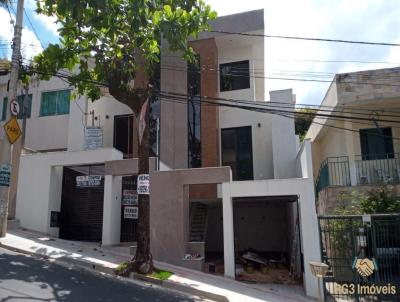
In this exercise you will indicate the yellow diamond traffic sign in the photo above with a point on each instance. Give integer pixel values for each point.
(13, 130)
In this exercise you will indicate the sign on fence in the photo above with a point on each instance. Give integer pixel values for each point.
(143, 184)
(85, 181)
(131, 212)
(129, 198)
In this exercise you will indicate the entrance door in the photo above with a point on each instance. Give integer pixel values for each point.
(237, 152)
(81, 215)
(128, 202)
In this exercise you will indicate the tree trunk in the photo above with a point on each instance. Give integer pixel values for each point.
(143, 259)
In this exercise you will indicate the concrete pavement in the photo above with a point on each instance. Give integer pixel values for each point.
(105, 259)
(26, 278)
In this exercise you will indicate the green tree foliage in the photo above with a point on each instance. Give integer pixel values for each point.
(378, 201)
(302, 121)
(116, 41)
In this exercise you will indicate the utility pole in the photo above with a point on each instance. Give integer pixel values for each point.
(6, 147)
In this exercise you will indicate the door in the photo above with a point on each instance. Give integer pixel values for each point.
(81, 216)
(237, 152)
(129, 201)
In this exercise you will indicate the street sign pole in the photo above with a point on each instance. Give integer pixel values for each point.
(6, 146)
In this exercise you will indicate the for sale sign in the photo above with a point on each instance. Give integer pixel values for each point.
(85, 181)
(143, 184)
(131, 212)
(129, 198)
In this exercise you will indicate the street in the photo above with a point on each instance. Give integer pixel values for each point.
(24, 278)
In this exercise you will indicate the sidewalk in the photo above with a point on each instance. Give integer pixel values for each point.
(105, 259)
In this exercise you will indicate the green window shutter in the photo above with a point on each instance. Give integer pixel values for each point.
(48, 104)
(21, 106)
(54, 103)
(63, 101)
(4, 111)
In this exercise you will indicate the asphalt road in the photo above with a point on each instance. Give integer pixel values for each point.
(24, 278)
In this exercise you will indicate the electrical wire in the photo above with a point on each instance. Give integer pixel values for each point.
(306, 38)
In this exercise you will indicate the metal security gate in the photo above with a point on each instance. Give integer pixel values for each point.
(363, 254)
(81, 216)
(128, 223)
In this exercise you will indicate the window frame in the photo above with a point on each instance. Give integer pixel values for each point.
(387, 144)
(56, 113)
(245, 74)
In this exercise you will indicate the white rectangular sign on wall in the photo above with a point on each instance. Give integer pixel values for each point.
(93, 138)
(143, 184)
(131, 212)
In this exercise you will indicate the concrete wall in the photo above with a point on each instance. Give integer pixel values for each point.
(173, 125)
(263, 227)
(105, 109)
(284, 145)
(39, 184)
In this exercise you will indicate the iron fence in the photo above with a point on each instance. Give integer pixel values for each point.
(378, 168)
(333, 172)
(363, 255)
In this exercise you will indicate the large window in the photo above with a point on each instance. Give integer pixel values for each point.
(194, 115)
(376, 143)
(237, 152)
(55, 103)
(20, 100)
(234, 76)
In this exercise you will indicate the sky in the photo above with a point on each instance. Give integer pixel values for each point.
(362, 20)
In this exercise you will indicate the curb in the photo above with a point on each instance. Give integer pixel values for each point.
(110, 271)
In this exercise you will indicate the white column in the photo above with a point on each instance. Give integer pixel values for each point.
(229, 248)
(112, 210)
(310, 242)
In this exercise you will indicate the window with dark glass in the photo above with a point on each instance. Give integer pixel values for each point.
(376, 143)
(237, 152)
(123, 134)
(234, 76)
(194, 115)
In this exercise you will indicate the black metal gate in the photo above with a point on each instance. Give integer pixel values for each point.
(363, 254)
(128, 225)
(81, 216)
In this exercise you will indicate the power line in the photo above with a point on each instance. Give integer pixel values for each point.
(33, 28)
(276, 112)
(306, 38)
(271, 103)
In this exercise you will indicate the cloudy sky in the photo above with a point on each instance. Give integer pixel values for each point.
(362, 20)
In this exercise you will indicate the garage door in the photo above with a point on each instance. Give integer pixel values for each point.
(82, 203)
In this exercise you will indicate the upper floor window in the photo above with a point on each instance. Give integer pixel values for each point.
(376, 143)
(55, 103)
(20, 100)
(234, 76)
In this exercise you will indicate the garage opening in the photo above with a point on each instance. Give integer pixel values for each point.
(267, 241)
(81, 216)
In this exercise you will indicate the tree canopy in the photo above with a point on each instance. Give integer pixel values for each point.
(114, 41)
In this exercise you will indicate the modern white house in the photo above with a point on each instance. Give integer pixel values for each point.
(224, 181)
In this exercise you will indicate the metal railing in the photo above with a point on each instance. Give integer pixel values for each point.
(333, 172)
(344, 240)
(377, 168)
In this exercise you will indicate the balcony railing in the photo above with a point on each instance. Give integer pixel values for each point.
(368, 169)
(378, 169)
(333, 172)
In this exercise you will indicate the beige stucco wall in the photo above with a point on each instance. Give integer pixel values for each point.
(374, 93)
